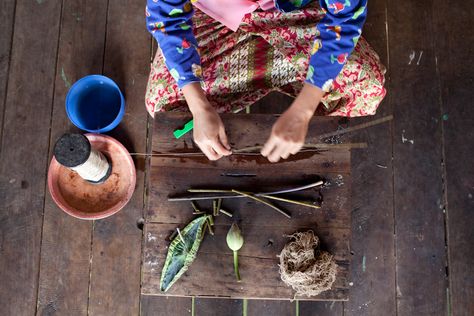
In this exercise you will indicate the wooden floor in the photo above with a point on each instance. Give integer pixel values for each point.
(413, 188)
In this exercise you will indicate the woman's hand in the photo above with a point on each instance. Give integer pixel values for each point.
(288, 135)
(209, 134)
(289, 131)
(208, 131)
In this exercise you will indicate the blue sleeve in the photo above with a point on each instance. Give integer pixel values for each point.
(169, 21)
(337, 34)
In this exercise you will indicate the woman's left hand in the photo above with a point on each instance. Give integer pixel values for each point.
(287, 137)
(289, 131)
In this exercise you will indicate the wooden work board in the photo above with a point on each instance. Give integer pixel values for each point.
(264, 230)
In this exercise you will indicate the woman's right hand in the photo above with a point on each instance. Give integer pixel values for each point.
(208, 131)
(209, 134)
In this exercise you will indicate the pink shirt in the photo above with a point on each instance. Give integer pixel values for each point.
(231, 13)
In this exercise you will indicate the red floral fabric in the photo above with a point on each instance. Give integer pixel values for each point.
(270, 51)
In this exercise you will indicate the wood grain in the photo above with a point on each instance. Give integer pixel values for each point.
(26, 101)
(262, 242)
(23, 168)
(7, 20)
(216, 306)
(116, 252)
(373, 243)
(163, 305)
(271, 307)
(65, 258)
(333, 308)
(175, 180)
(212, 275)
(329, 160)
(417, 156)
(242, 130)
(264, 229)
(458, 121)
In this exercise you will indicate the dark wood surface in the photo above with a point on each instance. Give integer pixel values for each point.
(457, 119)
(307, 308)
(270, 307)
(163, 305)
(116, 251)
(45, 269)
(420, 246)
(259, 262)
(7, 20)
(65, 259)
(24, 153)
(212, 306)
(59, 281)
(372, 244)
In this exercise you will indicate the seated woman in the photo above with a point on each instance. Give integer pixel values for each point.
(229, 53)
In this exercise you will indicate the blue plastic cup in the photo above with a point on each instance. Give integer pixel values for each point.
(95, 104)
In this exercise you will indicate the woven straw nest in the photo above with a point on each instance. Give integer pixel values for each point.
(306, 269)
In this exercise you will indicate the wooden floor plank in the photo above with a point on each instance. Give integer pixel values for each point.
(372, 245)
(321, 308)
(7, 19)
(165, 306)
(271, 307)
(116, 253)
(65, 258)
(458, 122)
(218, 307)
(23, 168)
(264, 240)
(417, 156)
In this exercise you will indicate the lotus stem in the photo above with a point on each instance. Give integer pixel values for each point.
(211, 231)
(236, 266)
(187, 198)
(208, 191)
(193, 204)
(218, 206)
(301, 188)
(290, 201)
(206, 226)
(263, 201)
(215, 211)
(173, 235)
(225, 212)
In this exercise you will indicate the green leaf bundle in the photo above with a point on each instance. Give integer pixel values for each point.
(182, 251)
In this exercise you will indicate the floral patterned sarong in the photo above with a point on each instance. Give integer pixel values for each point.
(269, 52)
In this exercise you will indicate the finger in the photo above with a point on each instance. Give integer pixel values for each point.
(223, 144)
(219, 148)
(295, 149)
(210, 153)
(269, 146)
(223, 139)
(276, 154)
(286, 153)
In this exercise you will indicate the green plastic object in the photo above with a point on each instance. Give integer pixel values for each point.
(181, 132)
